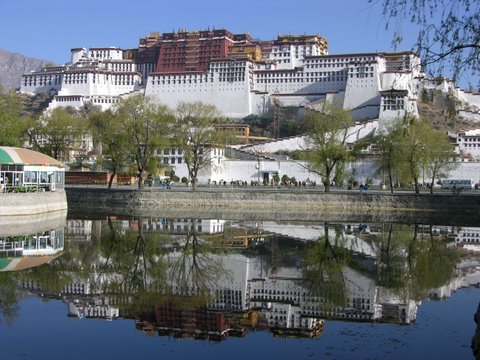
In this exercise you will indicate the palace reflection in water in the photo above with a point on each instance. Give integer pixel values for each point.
(211, 279)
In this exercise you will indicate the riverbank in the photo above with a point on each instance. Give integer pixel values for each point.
(278, 205)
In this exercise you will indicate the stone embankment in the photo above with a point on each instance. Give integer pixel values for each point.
(19, 204)
(279, 205)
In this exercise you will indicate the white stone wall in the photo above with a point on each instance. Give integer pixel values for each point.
(111, 53)
(49, 79)
(77, 54)
(472, 98)
(250, 170)
(469, 115)
(362, 92)
(466, 170)
(103, 102)
(226, 85)
(355, 133)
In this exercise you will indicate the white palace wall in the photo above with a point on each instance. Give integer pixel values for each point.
(226, 85)
(241, 87)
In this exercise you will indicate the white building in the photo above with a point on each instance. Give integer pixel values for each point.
(182, 226)
(468, 236)
(468, 143)
(98, 76)
(374, 85)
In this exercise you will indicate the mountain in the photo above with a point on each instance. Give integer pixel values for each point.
(13, 65)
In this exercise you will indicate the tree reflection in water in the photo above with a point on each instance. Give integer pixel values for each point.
(325, 260)
(9, 294)
(195, 266)
(409, 261)
(412, 262)
(145, 271)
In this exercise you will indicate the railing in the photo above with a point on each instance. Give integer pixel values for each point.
(28, 188)
(11, 246)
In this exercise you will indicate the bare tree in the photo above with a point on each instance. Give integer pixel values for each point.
(449, 31)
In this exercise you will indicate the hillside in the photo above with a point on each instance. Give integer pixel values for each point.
(13, 65)
(441, 110)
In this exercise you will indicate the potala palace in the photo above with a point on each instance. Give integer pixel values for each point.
(244, 77)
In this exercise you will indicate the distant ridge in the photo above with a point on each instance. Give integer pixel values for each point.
(13, 65)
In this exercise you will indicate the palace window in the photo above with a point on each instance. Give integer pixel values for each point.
(393, 102)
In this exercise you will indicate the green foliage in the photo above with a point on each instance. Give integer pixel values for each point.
(195, 133)
(113, 139)
(412, 262)
(171, 173)
(276, 179)
(34, 105)
(260, 126)
(196, 271)
(147, 127)
(152, 166)
(392, 260)
(326, 151)
(434, 266)
(22, 189)
(8, 297)
(290, 127)
(423, 148)
(426, 98)
(13, 125)
(453, 104)
(414, 143)
(301, 155)
(325, 261)
(411, 148)
(60, 131)
(439, 155)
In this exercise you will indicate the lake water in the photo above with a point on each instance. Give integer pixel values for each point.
(127, 288)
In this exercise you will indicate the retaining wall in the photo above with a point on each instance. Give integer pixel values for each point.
(14, 204)
(280, 205)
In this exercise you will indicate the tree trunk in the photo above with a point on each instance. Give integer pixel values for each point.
(417, 190)
(390, 179)
(193, 178)
(112, 176)
(141, 179)
(326, 183)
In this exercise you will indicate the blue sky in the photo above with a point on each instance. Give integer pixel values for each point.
(48, 29)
